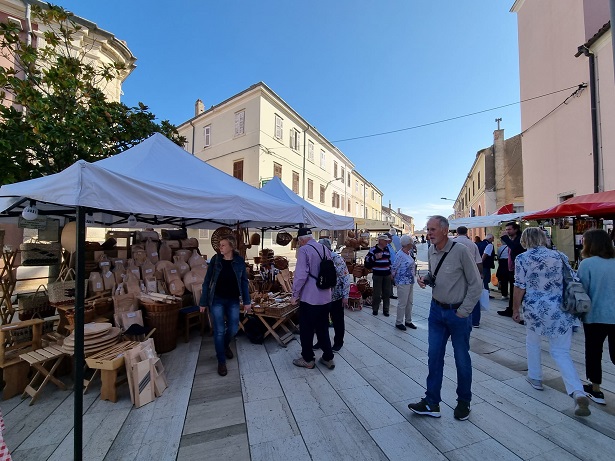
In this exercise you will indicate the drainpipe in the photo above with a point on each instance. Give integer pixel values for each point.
(28, 23)
(304, 143)
(594, 112)
(193, 135)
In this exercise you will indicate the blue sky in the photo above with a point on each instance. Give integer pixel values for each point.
(350, 67)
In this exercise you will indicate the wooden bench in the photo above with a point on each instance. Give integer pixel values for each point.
(16, 339)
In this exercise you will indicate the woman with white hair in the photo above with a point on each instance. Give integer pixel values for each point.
(402, 272)
(539, 285)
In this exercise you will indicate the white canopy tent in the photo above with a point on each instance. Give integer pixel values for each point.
(314, 216)
(485, 221)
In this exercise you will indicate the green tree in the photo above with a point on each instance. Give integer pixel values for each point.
(53, 110)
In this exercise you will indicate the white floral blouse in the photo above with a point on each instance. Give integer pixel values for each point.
(342, 288)
(539, 271)
(403, 269)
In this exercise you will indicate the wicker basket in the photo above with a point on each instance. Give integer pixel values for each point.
(280, 262)
(217, 236)
(358, 270)
(35, 305)
(163, 317)
(40, 254)
(101, 306)
(258, 310)
(283, 238)
(362, 285)
(277, 312)
(89, 315)
(62, 293)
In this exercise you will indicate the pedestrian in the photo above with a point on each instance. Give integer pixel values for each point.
(394, 246)
(339, 298)
(226, 282)
(313, 301)
(462, 237)
(378, 259)
(422, 238)
(539, 286)
(487, 253)
(502, 271)
(402, 271)
(456, 288)
(597, 274)
(511, 238)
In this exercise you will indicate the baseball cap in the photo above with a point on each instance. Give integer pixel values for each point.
(304, 231)
(384, 237)
(405, 240)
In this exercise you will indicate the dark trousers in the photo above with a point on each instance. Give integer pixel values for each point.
(314, 318)
(503, 276)
(486, 277)
(595, 334)
(383, 289)
(511, 287)
(337, 317)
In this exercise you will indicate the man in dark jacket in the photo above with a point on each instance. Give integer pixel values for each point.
(511, 238)
(378, 259)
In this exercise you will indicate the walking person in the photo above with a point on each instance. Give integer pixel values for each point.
(539, 285)
(512, 239)
(597, 274)
(487, 253)
(403, 271)
(226, 282)
(339, 298)
(456, 288)
(378, 259)
(502, 271)
(462, 237)
(313, 301)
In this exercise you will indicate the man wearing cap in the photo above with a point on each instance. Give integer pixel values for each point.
(378, 259)
(402, 271)
(313, 301)
(456, 288)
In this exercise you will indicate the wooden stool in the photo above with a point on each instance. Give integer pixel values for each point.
(12, 344)
(37, 359)
(192, 316)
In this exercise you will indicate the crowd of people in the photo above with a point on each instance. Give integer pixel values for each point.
(530, 274)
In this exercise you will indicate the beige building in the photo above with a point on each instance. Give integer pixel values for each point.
(398, 220)
(565, 153)
(494, 180)
(255, 135)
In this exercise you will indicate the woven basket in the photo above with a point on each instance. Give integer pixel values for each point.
(89, 315)
(40, 254)
(258, 310)
(101, 306)
(277, 312)
(280, 262)
(163, 317)
(217, 236)
(62, 293)
(362, 285)
(255, 239)
(35, 305)
(357, 270)
(283, 238)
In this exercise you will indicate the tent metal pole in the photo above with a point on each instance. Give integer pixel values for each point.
(79, 317)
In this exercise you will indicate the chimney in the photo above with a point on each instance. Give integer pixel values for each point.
(398, 210)
(389, 205)
(199, 107)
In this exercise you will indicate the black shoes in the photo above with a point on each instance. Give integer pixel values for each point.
(336, 348)
(386, 314)
(392, 297)
(411, 325)
(462, 410)
(228, 353)
(505, 313)
(222, 369)
(316, 346)
(596, 396)
(401, 327)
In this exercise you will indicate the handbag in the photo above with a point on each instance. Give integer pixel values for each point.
(575, 300)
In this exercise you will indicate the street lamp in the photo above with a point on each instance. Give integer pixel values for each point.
(444, 198)
(336, 179)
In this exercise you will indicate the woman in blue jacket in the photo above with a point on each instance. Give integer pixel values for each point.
(225, 284)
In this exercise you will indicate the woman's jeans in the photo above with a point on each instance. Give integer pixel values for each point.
(224, 332)
(405, 300)
(595, 334)
(444, 323)
(559, 347)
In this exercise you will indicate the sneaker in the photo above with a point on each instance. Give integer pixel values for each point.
(392, 297)
(424, 408)
(328, 363)
(411, 325)
(504, 297)
(596, 396)
(462, 410)
(386, 314)
(375, 312)
(505, 313)
(475, 326)
(581, 404)
(401, 327)
(316, 346)
(535, 383)
(228, 353)
(222, 369)
(301, 362)
(336, 348)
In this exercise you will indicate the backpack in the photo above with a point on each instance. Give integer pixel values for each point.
(327, 275)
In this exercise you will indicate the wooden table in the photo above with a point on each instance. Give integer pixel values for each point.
(37, 360)
(109, 362)
(282, 322)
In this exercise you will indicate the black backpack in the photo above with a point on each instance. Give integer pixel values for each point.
(327, 275)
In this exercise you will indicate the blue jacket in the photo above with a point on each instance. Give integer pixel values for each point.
(211, 278)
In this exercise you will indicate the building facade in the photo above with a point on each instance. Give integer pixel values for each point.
(255, 135)
(564, 153)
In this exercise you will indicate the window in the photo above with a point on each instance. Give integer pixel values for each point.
(373, 196)
(277, 170)
(279, 128)
(294, 139)
(342, 174)
(323, 159)
(356, 209)
(479, 180)
(349, 186)
(295, 182)
(311, 151)
(238, 169)
(356, 186)
(333, 200)
(349, 210)
(473, 189)
(240, 122)
(322, 194)
(310, 189)
(335, 169)
(207, 135)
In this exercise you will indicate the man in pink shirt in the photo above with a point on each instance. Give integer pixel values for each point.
(313, 301)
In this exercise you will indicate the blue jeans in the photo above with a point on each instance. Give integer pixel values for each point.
(224, 332)
(444, 323)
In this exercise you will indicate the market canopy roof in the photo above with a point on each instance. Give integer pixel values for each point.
(485, 221)
(314, 216)
(598, 205)
(157, 181)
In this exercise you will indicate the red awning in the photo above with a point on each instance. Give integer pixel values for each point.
(506, 209)
(598, 205)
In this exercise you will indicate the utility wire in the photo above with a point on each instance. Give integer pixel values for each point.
(458, 117)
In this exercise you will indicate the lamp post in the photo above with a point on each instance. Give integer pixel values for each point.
(327, 185)
(450, 200)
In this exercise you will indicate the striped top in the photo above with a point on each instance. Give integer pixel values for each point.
(380, 266)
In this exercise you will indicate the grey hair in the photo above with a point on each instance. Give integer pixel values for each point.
(304, 238)
(441, 219)
(489, 236)
(533, 237)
